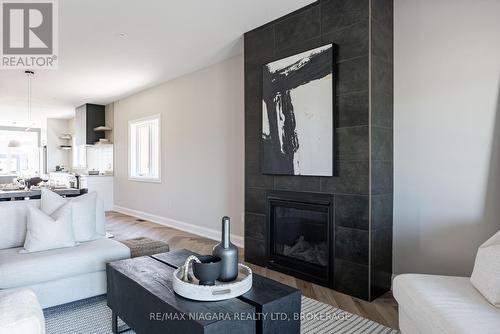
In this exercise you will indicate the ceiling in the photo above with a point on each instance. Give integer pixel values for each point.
(111, 49)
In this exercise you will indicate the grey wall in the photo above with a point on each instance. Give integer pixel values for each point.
(201, 151)
(447, 133)
(362, 30)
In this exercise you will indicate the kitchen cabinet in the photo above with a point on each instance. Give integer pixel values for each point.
(88, 117)
(103, 185)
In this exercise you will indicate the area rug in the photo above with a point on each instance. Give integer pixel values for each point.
(92, 316)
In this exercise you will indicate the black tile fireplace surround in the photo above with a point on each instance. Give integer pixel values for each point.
(362, 189)
(300, 235)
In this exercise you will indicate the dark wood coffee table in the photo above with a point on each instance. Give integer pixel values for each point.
(140, 293)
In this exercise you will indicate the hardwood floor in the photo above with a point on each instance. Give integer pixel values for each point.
(382, 310)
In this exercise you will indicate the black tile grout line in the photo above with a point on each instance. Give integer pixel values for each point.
(345, 158)
(370, 179)
(255, 214)
(327, 193)
(345, 60)
(293, 48)
(352, 126)
(383, 193)
(259, 239)
(382, 127)
(344, 28)
(286, 17)
(356, 263)
(317, 176)
(321, 192)
(345, 260)
(298, 189)
(353, 93)
(351, 228)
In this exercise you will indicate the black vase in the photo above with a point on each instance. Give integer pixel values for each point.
(228, 253)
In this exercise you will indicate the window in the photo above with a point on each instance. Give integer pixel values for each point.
(23, 159)
(144, 149)
(79, 155)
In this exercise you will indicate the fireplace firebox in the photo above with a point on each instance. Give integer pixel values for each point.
(300, 235)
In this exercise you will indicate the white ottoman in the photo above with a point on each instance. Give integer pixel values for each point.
(20, 312)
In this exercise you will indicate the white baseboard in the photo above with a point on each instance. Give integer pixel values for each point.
(187, 227)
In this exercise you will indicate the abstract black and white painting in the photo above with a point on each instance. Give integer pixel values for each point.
(297, 114)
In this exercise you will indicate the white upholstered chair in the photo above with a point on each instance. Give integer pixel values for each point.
(20, 312)
(432, 304)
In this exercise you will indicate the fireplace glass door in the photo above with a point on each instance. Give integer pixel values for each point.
(300, 236)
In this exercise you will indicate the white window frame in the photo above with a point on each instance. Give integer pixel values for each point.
(79, 155)
(135, 123)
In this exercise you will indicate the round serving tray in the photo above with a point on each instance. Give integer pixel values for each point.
(219, 291)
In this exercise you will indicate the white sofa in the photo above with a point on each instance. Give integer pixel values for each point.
(430, 304)
(56, 276)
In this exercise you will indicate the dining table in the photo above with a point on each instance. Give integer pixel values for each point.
(33, 193)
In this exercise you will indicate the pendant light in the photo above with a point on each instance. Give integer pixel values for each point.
(30, 74)
(14, 143)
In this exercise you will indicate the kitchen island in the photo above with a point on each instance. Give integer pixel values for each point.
(22, 194)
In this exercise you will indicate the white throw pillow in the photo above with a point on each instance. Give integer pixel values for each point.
(89, 222)
(486, 274)
(84, 216)
(13, 220)
(46, 232)
(50, 201)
